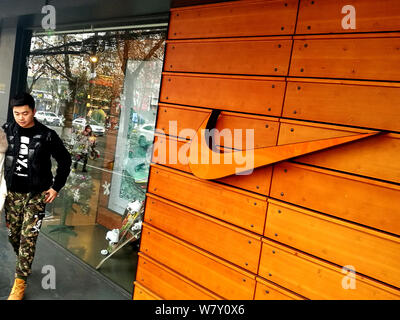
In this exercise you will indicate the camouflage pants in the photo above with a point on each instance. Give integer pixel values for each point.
(24, 215)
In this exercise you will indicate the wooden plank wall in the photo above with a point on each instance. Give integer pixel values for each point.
(321, 226)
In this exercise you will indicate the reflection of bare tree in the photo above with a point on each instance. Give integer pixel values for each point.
(66, 57)
(36, 76)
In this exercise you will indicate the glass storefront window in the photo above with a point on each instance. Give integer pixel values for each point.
(135, 134)
(109, 81)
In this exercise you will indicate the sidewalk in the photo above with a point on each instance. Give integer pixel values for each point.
(74, 279)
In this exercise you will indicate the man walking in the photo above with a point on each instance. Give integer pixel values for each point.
(29, 182)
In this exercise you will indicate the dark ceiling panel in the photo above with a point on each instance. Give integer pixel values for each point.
(186, 3)
(83, 11)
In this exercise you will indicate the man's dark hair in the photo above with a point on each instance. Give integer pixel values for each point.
(23, 99)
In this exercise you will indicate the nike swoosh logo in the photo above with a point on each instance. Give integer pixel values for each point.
(202, 148)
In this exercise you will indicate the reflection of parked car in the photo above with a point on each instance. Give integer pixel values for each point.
(146, 130)
(47, 117)
(79, 122)
(97, 128)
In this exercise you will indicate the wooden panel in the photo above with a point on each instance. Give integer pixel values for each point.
(231, 205)
(208, 271)
(142, 293)
(365, 201)
(266, 290)
(255, 18)
(372, 157)
(230, 56)
(223, 240)
(315, 279)
(258, 181)
(162, 154)
(372, 253)
(167, 284)
(345, 103)
(299, 131)
(184, 122)
(243, 94)
(350, 58)
(326, 16)
(173, 120)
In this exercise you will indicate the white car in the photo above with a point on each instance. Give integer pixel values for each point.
(47, 117)
(79, 122)
(97, 128)
(147, 130)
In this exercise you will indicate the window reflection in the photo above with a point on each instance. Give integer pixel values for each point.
(135, 134)
(116, 97)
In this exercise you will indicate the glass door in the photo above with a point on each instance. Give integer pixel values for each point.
(107, 82)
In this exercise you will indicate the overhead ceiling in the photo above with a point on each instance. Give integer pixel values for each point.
(88, 13)
(83, 12)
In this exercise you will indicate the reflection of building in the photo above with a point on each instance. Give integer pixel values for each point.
(49, 94)
(287, 230)
(43, 100)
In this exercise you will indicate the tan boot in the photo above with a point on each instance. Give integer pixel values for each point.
(18, 290)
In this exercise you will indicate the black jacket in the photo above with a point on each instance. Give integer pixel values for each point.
(44, 145)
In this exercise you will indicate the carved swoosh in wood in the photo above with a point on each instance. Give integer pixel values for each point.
(202, 147)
